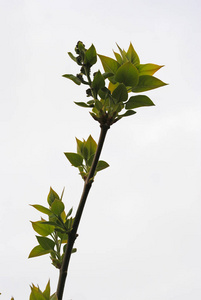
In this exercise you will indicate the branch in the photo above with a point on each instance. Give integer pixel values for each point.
(73, 234)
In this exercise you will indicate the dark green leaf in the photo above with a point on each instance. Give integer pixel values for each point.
(82, 104)
(98, 82)
(101, 165)
(38, 251)
(45, 243)
(90, 56)
(42, 209)
(127, 74)
(42, 229)
(127, 113)
(107, 75)
(52, 196)
(138, 101)
(146, 83)
(69, 213)
(74, 158)
(57, 207)
(120, 93)
(73, 78)
(132, 55)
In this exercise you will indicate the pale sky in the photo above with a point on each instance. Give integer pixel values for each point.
(140, 235)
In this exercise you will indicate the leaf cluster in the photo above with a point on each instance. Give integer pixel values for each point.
(54, 231)
(37, 294)
(124, 73)
(84, 157)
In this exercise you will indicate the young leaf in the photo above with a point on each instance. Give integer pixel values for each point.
(52, 196)
(146, 83)
(91, 146)
(46, 243)
(118, 58)
(123, 54)
(73, 78)
(101, 165)
(42, 229)
(132, 55)
(74, 158)
(138, 101)
(127, 74)
(127, 113)
(72, 56)
(90, 56)
(38, 251)
(46, 292)
(120, 93)
(54, 297)
(42, 209)
(148, 69)
(69, 213)
(57, 207)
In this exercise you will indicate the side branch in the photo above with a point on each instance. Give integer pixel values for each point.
(73, 234)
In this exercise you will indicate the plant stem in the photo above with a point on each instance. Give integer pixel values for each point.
(73, 234)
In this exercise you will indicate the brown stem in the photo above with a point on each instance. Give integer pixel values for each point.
(73, 234)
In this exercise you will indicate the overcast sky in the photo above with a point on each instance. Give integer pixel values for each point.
(140, 235)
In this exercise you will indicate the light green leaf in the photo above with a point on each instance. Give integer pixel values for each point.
(73, 78)
(72, 56)
(132, 55)
(146, 83)
(127, 74)
(74, 158)
(90, 56)
(120, 93)
(101, 165)
(54, 297)
(109, 64)
(57, 207)
(42, 209)
(148, 69)
(46, 243)
(123, 54)
(138, 101)
(46, 292)
(127, 114)
(38, 251)
(52, 196)
(91, 146)
(42, 229)
(69, 213)
(118, 58)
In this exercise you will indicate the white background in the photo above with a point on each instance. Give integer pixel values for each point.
(140, 236)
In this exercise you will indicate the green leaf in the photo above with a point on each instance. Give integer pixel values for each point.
(54, 297)
(90, 56)
(146, 83)
(123, 54)
(82, 104)
(138, 101)
(127, 114)
(118, 58)
(98, 82)
(72, 56)
(91, 146)
(46, 292)
(69, 213)
(52, 196)
(127, 74)
(46, 243)
(148, 69)
(132, 55)
(38, 251)
(109, 64)
(101, 165)
(120, 93)
(74, 158)
(42, 209)
(42, 229)
(73, 78)
(57, 207)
